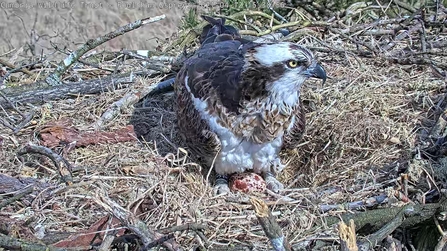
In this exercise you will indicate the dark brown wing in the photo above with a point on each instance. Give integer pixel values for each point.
(215, 29)
(214, 74)
(196, 134)
(217, 70)
(293, 137)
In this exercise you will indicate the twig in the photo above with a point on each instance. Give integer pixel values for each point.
(54, 78)
(275, 13)
(158, 241)
(11, 243)
(188, 226)
(357, 205)
(16, 197)
(347, 236)
(6, 124)
(285, 25)
(82, 61)
(271, 228)
(152, 65)
(11, 104)
(106, 243)
(128, 100)
(256, 28)
(443, 240)
(354, 40)
(25, 121)
(401, 36)
(417, 61)
(40, 92)
(254, 13)
(63, 166)
(405, 6)
(25, 118)
(15, 68)
(146, 235)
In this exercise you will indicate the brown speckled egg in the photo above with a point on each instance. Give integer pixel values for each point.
(247, 183)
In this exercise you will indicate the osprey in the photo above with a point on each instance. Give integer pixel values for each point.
(238, 102)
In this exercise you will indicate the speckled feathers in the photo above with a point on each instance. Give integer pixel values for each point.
(238, 102)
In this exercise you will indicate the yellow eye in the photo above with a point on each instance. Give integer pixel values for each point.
(292, 63)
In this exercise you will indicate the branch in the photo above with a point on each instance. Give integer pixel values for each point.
(137, 226)
(63, 166)
(41, 92)
(54, 78)
(11, 243)
(130, 99)
(16, 197)
(270, 226)
(347, 236)
(15, 68)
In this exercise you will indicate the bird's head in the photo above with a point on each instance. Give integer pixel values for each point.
(285, 67)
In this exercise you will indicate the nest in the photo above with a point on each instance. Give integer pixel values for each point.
(372, 141)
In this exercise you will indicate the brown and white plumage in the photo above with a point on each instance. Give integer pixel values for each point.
(238, 104)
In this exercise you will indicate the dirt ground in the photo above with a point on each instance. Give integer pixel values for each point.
(33, 24)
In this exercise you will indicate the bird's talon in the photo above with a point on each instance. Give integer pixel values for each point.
(221, 186)
(273, 184)
(220, 189)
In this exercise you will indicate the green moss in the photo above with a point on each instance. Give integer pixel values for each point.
(190, 20)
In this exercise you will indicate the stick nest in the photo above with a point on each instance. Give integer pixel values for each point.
(372, 122)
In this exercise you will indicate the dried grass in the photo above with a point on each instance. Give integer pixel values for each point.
(362, 123)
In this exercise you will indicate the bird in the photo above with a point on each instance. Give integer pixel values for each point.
(238, 103)
(216, 30)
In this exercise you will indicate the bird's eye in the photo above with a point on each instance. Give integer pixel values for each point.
(292, 63)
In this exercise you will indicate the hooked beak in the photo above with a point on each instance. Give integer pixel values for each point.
(317, 71)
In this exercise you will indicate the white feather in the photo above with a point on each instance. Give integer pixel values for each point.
(286, 90)
(237, 154)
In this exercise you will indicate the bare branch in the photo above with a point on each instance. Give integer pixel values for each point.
(54, 78)
(271, 228)
(63, 166)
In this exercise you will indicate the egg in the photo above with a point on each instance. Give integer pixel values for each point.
(247, 183)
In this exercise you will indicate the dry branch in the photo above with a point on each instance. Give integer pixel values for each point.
(41, 92)
(54, 78)
(385, 221)
(15, 68)
(11, 243)
(130, 99)
(271, 228)
(16, 197)
(140, 228)
(347, 236)
(63, 166)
